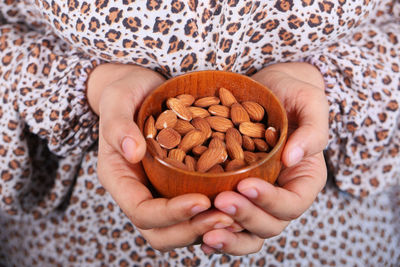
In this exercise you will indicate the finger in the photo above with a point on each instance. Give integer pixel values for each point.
(117, 123)
(161, 212)
(236, 244)
(118, 105)
(207, 249)
(311, 114)
(299, 188)
(145, 212)
(126, 184)
(248, 215)
(188, 232)
(235, 228)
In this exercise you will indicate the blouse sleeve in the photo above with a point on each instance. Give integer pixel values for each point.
(45, 119)
(362, 75)
(47, 78)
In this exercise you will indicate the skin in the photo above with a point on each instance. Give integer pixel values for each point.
(115, 92)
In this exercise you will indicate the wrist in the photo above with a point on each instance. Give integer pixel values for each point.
(101, 77)
(302, 71)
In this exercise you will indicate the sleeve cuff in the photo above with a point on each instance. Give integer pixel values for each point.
(63, 116)
(362, 153)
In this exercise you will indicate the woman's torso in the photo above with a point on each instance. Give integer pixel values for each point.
(179, 36)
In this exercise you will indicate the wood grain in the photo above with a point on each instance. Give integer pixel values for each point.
(170, 181)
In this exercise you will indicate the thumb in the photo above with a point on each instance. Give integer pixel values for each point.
(311, 135)
(117, 124)
(133, 145)
(304, 141)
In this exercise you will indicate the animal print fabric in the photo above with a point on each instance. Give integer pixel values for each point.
(54, 212)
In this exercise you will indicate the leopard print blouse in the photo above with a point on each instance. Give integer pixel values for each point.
(54, 212)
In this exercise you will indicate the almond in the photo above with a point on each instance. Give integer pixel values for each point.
(239, 114)
(177, 154)
(235, 164)
(168, 138)
(198, 150)
(190, 163)
(167, 119)
(206, 101)
(218, 135)
(155, 148)
(150, 130)
(180, 110)
(271, 136)
(219, 124)
(248, 143)
(199, 112)
(235, 134)
(211, 157)
(252, 129)
(216, 169)
(255, 110)
(234, 149)
(175, 163)
(261, 145)
(227, 98)
(183, 127)
(202, 125)
(191, 139)
(186, 99)
(250, 157)
(217, 143)
(232, 126)
(219, 110)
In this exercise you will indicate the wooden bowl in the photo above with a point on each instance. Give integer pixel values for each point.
(170, 181)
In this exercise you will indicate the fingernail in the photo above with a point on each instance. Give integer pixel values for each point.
(216, 246)
(250, 193)
(128, 147)
(295, 156)
(207, 250)
(197, 209)
(221, 225)
(231, 210)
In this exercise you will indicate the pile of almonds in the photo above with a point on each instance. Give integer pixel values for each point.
(210, 134)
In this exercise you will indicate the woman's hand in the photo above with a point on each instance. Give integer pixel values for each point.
(115, 92)
(263, 209)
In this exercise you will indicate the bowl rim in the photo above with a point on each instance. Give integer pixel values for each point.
(281, 140)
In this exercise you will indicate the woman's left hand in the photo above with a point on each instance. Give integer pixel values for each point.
(264, 210)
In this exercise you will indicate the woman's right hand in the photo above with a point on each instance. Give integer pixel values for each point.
(115, 92)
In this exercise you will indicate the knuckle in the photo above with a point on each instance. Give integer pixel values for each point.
(245, 219)
(158, 244)
(172, 214)
(141, 224)
(274, 232)
(198, 230)
(114, 129)
(293, 214)
(159, 247)
(108, 128)
(258, 247)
